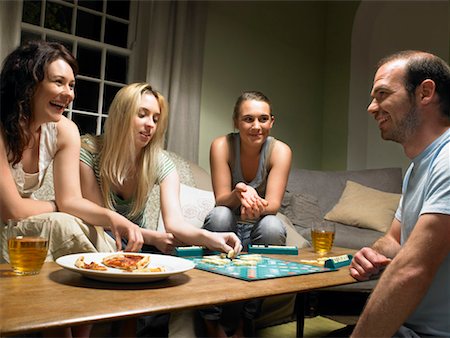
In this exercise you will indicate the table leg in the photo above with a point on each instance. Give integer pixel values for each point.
(300, 313)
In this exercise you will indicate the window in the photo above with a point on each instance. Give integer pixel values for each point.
(98, 34)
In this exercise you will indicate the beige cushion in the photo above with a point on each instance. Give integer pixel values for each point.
(364, 207)
(195, 205)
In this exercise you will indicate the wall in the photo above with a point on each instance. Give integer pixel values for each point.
(277, 48)
(381, 28)
(339, 25)
(297, 53)
(315, 60)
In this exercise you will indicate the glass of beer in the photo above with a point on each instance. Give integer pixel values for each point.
(322, 235)
(27, 245)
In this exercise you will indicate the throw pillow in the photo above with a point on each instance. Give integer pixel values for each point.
(302, 210)
(195, 205)
(364, 207)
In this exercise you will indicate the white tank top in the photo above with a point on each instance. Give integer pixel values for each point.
(27, 183)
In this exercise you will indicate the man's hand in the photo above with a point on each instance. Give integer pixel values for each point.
(367, 263)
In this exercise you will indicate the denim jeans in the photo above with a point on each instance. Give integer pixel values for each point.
(269, 229)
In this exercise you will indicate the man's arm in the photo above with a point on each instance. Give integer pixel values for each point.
(407, 278)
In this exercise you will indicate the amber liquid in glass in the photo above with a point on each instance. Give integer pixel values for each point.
(27, 254)
(322, 241)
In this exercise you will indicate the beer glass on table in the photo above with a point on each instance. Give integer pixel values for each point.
(322, 235)
(27, 242)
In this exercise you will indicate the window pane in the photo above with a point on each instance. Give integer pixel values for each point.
(116, 67)
(31, 12)
(58, 17)
(95, 5)
(109, 93)
(67, 44)
(118, 8)
(86, 95)
(105, 21)
(89, 61)
(116, 33)
(27, 36)
(86, 123)
(88, 25)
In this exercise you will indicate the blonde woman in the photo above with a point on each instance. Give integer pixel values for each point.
(120, 167)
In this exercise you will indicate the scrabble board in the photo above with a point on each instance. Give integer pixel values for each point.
(263, 268)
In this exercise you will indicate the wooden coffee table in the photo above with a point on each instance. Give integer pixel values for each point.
(59, 298)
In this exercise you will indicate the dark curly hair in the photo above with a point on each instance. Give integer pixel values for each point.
(22, 71)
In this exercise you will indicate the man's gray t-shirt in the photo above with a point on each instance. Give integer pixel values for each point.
(426, 189)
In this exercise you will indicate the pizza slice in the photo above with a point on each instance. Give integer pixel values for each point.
(126, 262)
(151, 269)
(80, 263)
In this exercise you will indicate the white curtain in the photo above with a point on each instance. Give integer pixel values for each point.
(172, 34)
(10, 17)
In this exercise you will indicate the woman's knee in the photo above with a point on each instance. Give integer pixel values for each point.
(220, 219)
(269, 230)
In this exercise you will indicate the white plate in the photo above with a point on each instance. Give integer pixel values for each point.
(173, 265)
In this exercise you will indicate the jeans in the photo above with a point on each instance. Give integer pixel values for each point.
(269, 229)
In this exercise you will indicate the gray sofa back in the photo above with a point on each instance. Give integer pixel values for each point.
(327, 186)
(321, 190)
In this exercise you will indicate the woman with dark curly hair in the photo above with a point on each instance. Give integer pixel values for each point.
(36, 86)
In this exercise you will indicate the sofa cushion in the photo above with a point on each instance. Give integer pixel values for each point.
(293, 237)
(364, 207)
(302, 210)
(195, 205)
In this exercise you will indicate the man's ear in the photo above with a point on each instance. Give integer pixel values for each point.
(272, 117)
(426, 91)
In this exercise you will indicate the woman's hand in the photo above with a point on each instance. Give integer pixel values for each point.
(224, 242)
(252, 205)
(131, 232)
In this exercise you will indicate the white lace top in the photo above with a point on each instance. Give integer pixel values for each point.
(27, 183)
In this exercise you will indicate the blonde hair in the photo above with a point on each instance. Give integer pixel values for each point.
(116, 148)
